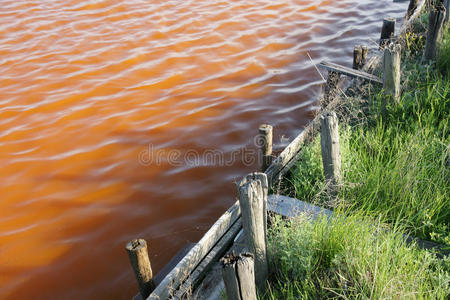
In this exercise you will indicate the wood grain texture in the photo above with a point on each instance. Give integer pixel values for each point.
(184, 268)
(140, 262)
(391, 71)
(331, 152)
(349, 72)
(251, 199)
(435, 30)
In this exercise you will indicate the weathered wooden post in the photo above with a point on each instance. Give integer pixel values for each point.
(239, 276)
(252, 197)
(138, 255)
(411, 8)
(447, 8)
(331, 88)
(331, 152)
(357, 57)
(434, 34)
(265, 143)
(387, 31)
(391, 71)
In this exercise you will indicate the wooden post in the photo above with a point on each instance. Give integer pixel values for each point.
(447, 8)
(239, 276)
(411, 8)
(391, 71)
(331, 88)
(252, 195)
(434, 34)
(265, 144)
(387, 31)
(331, 153)
(138, 255)
(365, 52)
(357, 57)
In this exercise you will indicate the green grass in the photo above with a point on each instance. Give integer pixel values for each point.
(394, 162)
(350, 258)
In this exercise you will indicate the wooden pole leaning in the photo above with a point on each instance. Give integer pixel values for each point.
(331, 152)
(140, 262)
(264, 142)
(252, 197)
(238, 274)
(391, 71)
(435, 29)
(387, 31)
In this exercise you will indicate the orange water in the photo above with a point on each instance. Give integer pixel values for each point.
(88, 87)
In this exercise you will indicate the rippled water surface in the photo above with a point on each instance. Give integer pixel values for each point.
(90, 89)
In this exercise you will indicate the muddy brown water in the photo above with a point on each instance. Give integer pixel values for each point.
(125, 119)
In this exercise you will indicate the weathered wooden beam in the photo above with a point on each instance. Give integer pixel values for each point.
(251, 199)
(140, 262)
(391, 71)
(214, 255)
(349, 72)
(185, 267)
(264, 142)
(331, 151)
(435, 30)
(387, 31)
(239, 277)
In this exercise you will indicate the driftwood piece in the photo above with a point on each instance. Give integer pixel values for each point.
(140, 262)
(435, 30)
(185, 267)
(239, 277)
(391, 71)
(252, 200)
(265, 145)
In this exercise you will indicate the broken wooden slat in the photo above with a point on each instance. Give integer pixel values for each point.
(185, 267)
(349, 72)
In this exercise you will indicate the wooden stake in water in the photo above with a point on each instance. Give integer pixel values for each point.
(252, 194)
(331, 152)
(434, 34)
(391, 71)
(239, 277)
(387, 31)
(140, 262)
(265, 143)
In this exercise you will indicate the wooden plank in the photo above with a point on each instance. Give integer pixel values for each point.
(349, 72)
(185, 267)
(216, 252)
(291, 208)
(173, 262)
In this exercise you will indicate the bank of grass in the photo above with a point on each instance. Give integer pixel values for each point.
(395, 163)
(350, 258)
(396, 180)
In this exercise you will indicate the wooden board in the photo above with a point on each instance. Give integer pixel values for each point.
(214, 255)
(349, 72)
(186, 266)
(291, 208)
